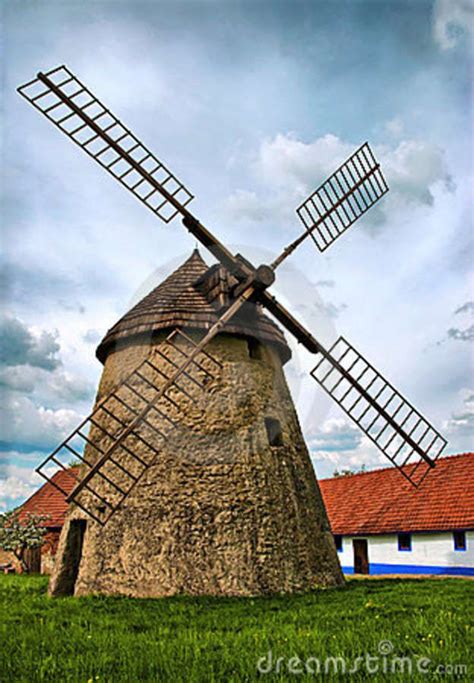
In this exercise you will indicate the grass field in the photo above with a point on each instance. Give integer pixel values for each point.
(398, 623)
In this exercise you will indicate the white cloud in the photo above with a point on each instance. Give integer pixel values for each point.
(460, 426)
(255, 209)
(466, 334)
(17, 483)
(340, 444)
(468, 307)
(336, 434)
(21, 345)
(451, 20)
(92, 336)
(395, 127)
(23, 422)
(48, 387)
(289, 169)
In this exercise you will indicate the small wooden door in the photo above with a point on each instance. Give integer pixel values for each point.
(361, 556)
(32, 560)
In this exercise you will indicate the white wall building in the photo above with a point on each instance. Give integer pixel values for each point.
(382, 525)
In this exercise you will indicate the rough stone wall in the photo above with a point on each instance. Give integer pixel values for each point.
(221, 511)
(48, 550)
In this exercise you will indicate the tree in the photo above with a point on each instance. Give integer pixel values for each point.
(348, 473)
(18, 533)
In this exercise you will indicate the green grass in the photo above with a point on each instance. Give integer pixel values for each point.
(111, 640)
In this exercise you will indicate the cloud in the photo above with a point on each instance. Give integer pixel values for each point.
(24, 423)
(17, 482)
(468, 307)
(325, 308)
(457, 333)
(336, 435)
(412, 168)
(339, 443)
(395, 127)
(461, 335)
(252, 205)
(325, 283)
(20, 345)
(289, 169)
(92, 336)
(452, 19)
(46, 385)
(459, 428)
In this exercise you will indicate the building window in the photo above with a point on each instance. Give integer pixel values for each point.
(459, 538)
(275, 437)
(255, 349)
(338, 542)
(404, 542)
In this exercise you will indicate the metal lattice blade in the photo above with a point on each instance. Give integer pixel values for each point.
(345, 196)
(123, 436)
(71, 106)
(401, 433)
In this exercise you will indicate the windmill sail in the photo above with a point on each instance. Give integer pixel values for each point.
(345, 196)
(402, 434)
(378, 409)
(127, 428)
(71, 106)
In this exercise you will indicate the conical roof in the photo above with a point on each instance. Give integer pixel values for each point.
(192, 297)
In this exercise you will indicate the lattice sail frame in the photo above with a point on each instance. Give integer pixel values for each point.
(343, 198)
(400, 432)
(102, 430)
(93, 127)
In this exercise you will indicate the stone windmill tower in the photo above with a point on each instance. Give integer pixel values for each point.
(231, 506)
(195, 476)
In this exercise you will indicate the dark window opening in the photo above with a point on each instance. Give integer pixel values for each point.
(273, 427)
(338, 542)
(459, 538)
(404, 542)
(255, 349)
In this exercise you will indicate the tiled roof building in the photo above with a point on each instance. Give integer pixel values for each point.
(377, 507)
(384, 524)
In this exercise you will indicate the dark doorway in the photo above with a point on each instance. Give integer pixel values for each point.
(361, 556)
(72, 557)
(32, 560)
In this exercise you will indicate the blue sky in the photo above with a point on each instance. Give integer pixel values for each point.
(252, 105)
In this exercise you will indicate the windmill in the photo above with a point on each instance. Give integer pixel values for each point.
(174, 383)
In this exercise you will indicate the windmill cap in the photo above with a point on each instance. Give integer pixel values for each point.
(192, 297)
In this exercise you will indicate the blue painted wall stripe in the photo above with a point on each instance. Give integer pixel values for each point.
(414, 569)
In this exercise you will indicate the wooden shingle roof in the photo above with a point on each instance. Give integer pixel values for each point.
(192, 297)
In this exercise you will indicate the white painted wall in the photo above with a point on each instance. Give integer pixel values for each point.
(428, 549)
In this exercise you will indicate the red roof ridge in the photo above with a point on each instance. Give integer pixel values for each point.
(389, 468)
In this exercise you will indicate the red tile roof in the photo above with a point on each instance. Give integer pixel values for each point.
(375, 502)
(382, 501)
(49, 501)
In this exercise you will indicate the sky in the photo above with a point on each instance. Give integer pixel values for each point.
(251, 105)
